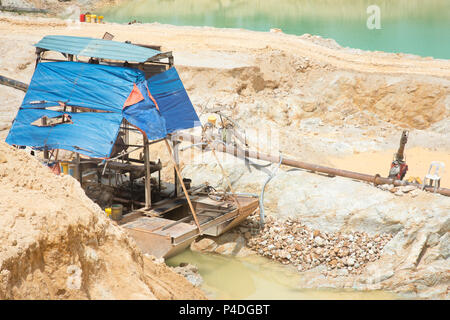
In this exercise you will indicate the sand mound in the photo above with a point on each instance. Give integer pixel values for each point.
(57, 244)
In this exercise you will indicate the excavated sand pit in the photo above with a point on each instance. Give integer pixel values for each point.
(327, 105)
(58, 244)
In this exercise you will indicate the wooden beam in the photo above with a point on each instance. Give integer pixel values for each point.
(177, 161)
(183, 186)
(148, 185)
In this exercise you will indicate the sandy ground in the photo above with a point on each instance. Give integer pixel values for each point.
(281, 82)
(418, 160)
(328, 105)
(325, 104)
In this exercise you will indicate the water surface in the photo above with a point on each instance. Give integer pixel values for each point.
(408, 26)
(256, 277)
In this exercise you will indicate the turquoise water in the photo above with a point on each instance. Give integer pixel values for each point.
(408, 26)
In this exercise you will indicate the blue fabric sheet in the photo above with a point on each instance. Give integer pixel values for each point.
(145, 116)
(173, 101)
(92, 134)
(104, 89)
(82, 84)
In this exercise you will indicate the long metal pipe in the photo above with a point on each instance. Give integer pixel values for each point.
(13, 83)
(376, 179)
(17, 9)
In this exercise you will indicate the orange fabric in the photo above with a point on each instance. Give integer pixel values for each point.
(153, 99)
(134, 97)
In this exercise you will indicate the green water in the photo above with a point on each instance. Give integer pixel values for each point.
(409, 26)
(255, 277)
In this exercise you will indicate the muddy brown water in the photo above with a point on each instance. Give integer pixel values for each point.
(255, 277)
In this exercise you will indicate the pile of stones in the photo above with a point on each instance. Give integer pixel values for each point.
(291, 242)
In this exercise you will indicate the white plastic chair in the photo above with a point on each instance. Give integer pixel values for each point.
(434, 177)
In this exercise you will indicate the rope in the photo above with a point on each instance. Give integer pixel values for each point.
(261, 197)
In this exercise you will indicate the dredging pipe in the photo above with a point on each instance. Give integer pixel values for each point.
(25, 10)
(13, 83)
(241, 153)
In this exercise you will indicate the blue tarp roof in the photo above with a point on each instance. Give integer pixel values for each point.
(171, 97)
(98, 48)
(110, 94)
(80, 84)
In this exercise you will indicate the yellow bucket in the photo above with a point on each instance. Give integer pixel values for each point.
(100, 19)
(212, 119)
(88, 18)
(93, 18)
(65, 167)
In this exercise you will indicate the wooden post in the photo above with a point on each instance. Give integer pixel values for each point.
(46, 155)
(79, 173)
(148, 185)
(177, 161)
(38, 56)
(183, 186)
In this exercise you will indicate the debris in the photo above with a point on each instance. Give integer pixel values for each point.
(337, 251)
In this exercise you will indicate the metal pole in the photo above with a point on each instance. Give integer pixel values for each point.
(13, 83)
(175, 144)
(46, 155)
(79, 174)
(148, 186)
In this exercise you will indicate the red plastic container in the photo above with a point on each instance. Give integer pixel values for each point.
(82, 18)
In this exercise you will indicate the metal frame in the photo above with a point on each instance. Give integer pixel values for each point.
(125, 127)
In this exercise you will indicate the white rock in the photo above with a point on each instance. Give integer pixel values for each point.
(350, 261)
(319, 241)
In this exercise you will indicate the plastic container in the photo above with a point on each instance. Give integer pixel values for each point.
(108, 212)
(187, 183)
(82, 17)
(88, 17)
(212, 119)
(72, 170)
(116, 212)
(100, 19)
(65, 167)
(93, 18)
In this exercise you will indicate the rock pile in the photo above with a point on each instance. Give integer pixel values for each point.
(291, 242)
(400, 191)
(190, 272)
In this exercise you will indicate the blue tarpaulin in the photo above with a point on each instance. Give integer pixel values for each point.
(99, 48)
(145, 115)
(110, 94)
(173, 101)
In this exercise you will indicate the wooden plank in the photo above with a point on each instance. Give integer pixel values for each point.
(147, 224)
(158, 210)
(130, 217)
(176, 230)
(209, 201)
(156, 245)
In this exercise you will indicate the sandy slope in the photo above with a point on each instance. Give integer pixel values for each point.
(326, 104)
(58, 244)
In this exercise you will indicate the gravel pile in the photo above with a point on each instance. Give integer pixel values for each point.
(291, 242)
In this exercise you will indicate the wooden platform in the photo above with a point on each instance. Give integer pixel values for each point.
(163, 231)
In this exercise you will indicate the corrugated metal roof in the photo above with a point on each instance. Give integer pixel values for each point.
(97, 48)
